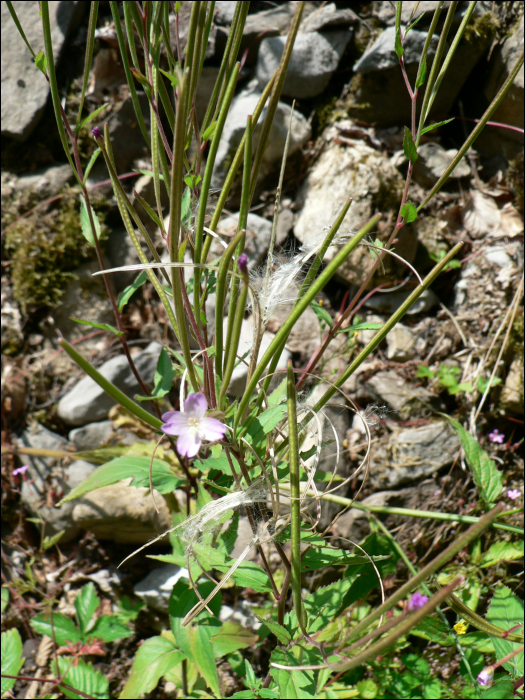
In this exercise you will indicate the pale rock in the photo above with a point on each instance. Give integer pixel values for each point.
(359, 172)
(389, 303)
(314, 59)
(258, 235)
(91, 436)
(512, 393)
(481, 216)
(242, 614)
(155, 589)
(328, 16)
(305, 336)
(87, 402)
(499, 257)
(397, 393)
(243, 105)
(382, 56)
(25, 90)
(48, 182)
(400, 342)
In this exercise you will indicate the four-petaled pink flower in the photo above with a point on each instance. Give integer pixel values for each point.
(486, 676)
(20, 470)
(513, 494)
(496, 436)
(417, 601)
(192, 425)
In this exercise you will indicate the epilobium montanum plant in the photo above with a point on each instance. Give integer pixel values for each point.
(251, 452)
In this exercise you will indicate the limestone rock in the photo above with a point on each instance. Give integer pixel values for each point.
(91, 436)
(512, 393)
(433, 160)
(122, 513)
(243, 105)
(400, 343)
(24, 88)
(87, 402)
(155, 589)
(314, 59)
(397, 393)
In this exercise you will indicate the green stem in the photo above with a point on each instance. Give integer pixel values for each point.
(295, 498)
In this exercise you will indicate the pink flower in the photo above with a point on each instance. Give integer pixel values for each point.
(486, 676)
(496, 436)
(512, 494)
(242, 262)
(20, 470)
(417, 601)
(192, 426)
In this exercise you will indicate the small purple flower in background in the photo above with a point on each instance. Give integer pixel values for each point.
(496, 436)
(20, 470)
(96, 132)
(192, 426)
(513, 494)
(486, 676)
(417, 601)
(242, 262)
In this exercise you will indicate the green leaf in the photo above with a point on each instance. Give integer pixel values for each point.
(64, 629)
(322, 314)
(103, 454)
(434, 630)
(435, 126)
(127, 610)
(409, 146)
(172, 78)
(502, 689)
(230, 637)
(12, 659)
(326, 556)
(486, 476)
(192, 180)
(378, 244)
(362, 327)
(81, 676)
(424, 371)
(322, 605)
(129, 291)
(483, 384)
(368, 690)
(278, 630)
(209, 132)
(221, 464)
(153, 659)
(194, 640)
(86, 603)
(49, 542)
(109, 628)
(90, 117)
(264, 424)
(409, 212)
(91, 163)
(502, 551)
(506, 611)
(41, 62)
(422, 73)
(186, 207)
(292, 684)
(148, 172)
(148, 209)
(101, 326)
(163, 380)
(5, 598)
(137, 468)
(85, 224)
(248, 575)
(398, 48)
(278, 395)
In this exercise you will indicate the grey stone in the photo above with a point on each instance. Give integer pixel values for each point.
(414, 454)
(381, 55)
(258, 235)
(120, 251)
(388, 303)
(314, 59)
(512, 393)
(499, 257)
(155, 589)
(122, 513)
(45, 476)
(510, 111)
(433, 160)
(397, 393)
(374, 92)
(46, 182)
(24, 88)
(240, 373)
(328, 16)
(400, 343)
(243, 105)
(305, 336)
(87, 402)
(341, 172)
(243, 614)
(91, 436)
(224, 11)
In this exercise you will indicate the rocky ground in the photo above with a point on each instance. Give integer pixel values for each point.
(346, 140)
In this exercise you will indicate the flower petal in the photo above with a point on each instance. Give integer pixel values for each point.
(196, 405)
(188, 444)
(176, 424)
(211, 429)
